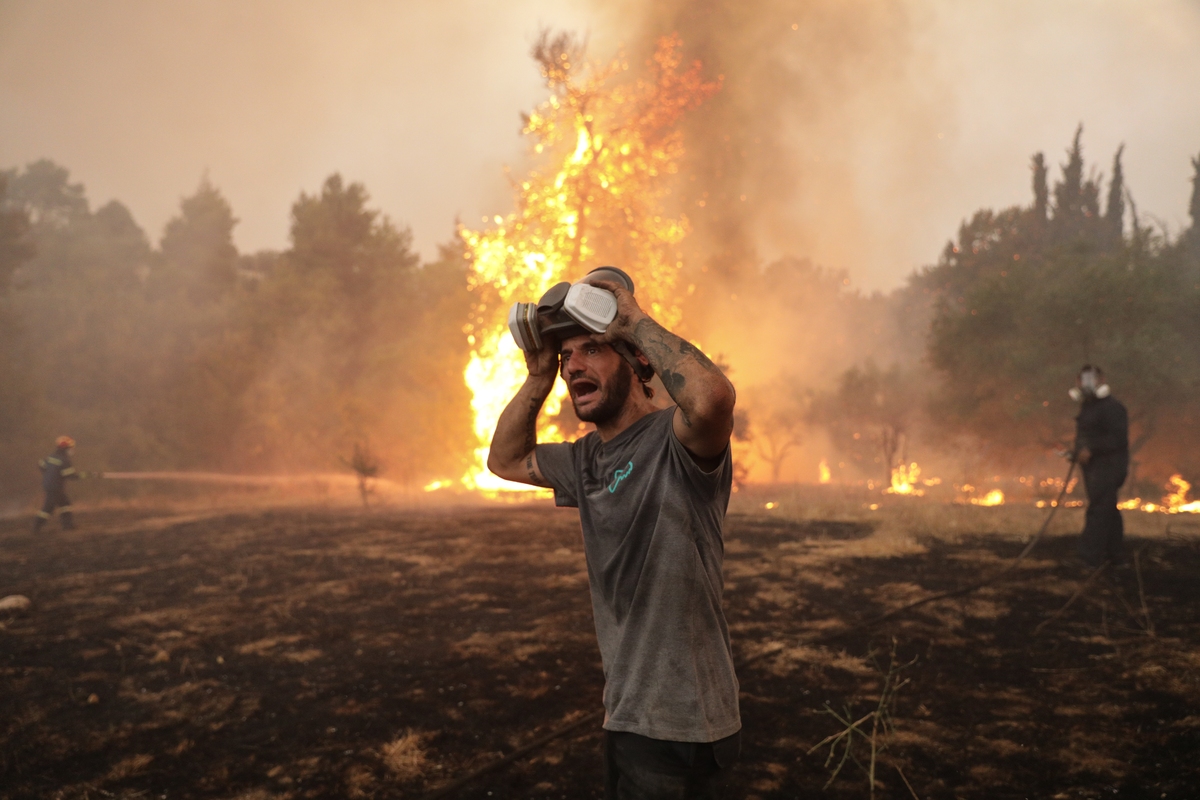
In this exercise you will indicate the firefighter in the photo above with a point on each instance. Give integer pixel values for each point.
(1102, 451)
(56, 471)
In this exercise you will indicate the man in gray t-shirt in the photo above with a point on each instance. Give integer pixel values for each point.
(652, 486)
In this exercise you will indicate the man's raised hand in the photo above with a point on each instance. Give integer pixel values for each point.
(629, 313)
(543, 363)
(703, 395)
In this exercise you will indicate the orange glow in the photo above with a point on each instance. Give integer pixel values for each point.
(905, 480)
(993, 498)
(823, 474)
(609, 147)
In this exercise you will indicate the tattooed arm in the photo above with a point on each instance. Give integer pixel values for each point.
(512, 454)
(703, 396)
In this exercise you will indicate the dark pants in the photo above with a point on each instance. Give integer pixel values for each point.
(1103, 530)
(55, 498)
(639, 768)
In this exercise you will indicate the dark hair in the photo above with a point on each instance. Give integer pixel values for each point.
(1091, 368)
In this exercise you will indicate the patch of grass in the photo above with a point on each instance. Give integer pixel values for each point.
(406, 755)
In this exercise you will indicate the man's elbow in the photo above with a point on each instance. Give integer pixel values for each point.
(495, 465)
(717, 407)
(502, 468)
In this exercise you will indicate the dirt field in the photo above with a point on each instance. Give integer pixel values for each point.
(332, 652)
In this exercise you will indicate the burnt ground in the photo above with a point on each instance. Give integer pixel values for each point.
(328, 653)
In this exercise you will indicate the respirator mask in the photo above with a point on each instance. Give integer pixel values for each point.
(577, 309)
(1089, 386)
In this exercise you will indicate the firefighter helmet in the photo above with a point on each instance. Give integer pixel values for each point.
(65, 442)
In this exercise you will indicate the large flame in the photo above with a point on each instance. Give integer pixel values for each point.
(608, 147)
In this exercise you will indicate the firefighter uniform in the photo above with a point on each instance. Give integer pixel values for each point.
(1103, 428)
(56, 471)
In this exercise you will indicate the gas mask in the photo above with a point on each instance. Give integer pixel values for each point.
(578, 309)
(1089, 386)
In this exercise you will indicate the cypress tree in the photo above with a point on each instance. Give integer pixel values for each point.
(1194, 205)
(1068, 193)
(1041, 193)
(1114, 213)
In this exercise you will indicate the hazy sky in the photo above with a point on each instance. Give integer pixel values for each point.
(420, 101)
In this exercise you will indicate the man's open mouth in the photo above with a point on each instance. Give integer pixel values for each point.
(583, 390)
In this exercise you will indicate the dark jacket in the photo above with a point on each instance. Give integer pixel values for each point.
(1103, 427)
(56, 470)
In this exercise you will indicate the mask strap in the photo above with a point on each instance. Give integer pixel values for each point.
(644, 372)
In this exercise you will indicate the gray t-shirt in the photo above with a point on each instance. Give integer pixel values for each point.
(651, 521)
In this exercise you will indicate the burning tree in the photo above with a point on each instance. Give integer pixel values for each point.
(606, 147)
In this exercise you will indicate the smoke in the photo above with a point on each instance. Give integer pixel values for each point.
(821, 115)
(784, 171)
(847, 142)
(420, 100)
(861, 133)
(839, 118)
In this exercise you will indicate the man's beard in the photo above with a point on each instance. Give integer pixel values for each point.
(616, 393)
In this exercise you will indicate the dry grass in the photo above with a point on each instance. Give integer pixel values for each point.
(258, 794)
(406, 755)
(901, 522)
(128, 767)
(359, 782)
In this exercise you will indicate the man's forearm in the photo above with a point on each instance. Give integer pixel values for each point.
(516, 430)
(693, 381)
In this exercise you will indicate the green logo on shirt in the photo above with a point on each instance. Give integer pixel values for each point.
(620, 475)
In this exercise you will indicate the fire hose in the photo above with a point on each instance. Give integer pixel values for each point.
(193, 477)
(822, 639)
(228, 479)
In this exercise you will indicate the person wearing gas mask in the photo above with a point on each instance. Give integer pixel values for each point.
(652, 487)
(1102, 452)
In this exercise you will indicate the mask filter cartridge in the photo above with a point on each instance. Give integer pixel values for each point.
(523, 325)
(591, 307)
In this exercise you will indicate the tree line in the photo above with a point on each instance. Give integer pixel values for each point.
(192, 355)
(186, 354)
(1016, 303)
